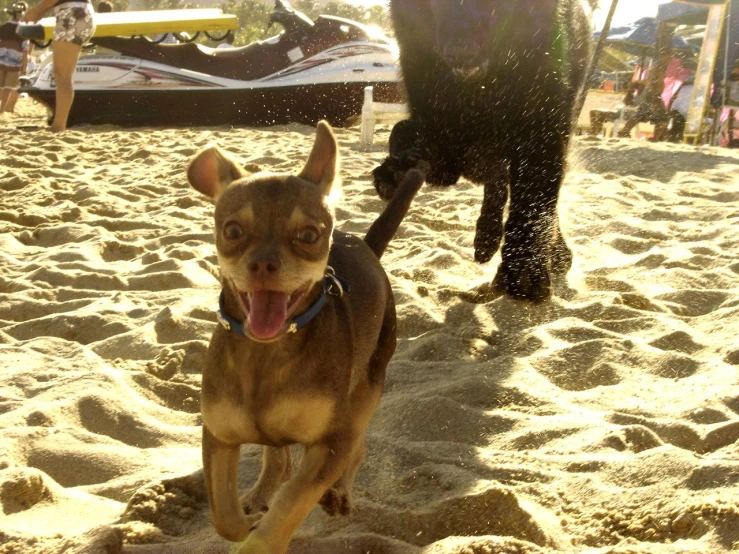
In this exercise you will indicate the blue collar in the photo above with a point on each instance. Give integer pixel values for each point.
(332, 285)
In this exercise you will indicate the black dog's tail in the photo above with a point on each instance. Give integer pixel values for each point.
(382, 230)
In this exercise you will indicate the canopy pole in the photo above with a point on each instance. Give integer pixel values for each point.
(716, 135)
(704, 74)
(594, 61)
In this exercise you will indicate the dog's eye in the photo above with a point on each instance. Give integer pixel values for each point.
(233, 231)
(309, 235)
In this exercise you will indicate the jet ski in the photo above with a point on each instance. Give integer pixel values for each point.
(312, 70)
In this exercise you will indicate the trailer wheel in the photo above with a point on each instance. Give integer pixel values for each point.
(216, 38)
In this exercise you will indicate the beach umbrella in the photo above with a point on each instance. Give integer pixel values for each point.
(682, 14)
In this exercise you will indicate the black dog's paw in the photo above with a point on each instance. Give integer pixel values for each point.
(561, 255)
(336, 503)
(561, 260)
(524, 279)
(384, 179)
(485, 247)
(391, 173)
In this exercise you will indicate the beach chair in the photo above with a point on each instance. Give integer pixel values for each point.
(378, 112)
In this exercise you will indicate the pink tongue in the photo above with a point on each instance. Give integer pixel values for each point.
(267, 314)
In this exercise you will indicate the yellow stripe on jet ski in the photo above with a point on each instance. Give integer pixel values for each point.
(149, 22)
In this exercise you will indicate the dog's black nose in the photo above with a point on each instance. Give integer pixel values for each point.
(264, 265)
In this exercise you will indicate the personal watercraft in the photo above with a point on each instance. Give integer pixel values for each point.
(312, 70)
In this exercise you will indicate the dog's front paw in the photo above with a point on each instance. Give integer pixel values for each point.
(526, 279)
(384, 179)
(254, 545)
(392, 172)
(561, 259)
(335, 502)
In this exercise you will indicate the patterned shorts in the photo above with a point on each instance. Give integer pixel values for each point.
(74, 23)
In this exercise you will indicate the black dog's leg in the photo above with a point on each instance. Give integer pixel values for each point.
(406, 152)
(529, 231)
(409, 150)
(404, 136)
(489, 230)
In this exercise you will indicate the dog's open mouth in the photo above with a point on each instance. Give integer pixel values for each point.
(467, 72)
(268, 312)
(465, 62)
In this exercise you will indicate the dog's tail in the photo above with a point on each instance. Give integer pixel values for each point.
(382, 230)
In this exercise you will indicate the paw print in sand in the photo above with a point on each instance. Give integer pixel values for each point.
(167, 363)
(169, 504)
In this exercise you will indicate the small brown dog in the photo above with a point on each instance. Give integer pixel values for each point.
(308, 327)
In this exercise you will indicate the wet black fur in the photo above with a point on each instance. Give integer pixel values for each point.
(506, 126)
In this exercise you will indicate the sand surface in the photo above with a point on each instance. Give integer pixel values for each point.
(603, 421)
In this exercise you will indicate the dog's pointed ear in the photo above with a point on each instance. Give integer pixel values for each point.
(323, 161)
(212, 170)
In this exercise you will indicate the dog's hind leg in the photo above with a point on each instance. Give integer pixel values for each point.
(338, 499)
(276, 469)
(364, 400)
(535, 180)
(220, 464)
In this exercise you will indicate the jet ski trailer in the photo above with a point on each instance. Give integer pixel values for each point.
(312, 70)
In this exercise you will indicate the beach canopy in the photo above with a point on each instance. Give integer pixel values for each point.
(683, 13)
(640, 37)
(695, 12)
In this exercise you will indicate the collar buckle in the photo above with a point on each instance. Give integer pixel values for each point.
(223, 321)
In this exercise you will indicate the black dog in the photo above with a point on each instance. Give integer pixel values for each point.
(491, 87)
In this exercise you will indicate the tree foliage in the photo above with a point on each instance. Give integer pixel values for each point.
(167, 4)
(120, 6)
(254, 16)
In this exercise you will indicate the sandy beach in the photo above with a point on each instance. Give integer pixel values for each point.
(605, 421)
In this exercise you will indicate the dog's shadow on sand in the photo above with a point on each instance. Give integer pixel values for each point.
(633, 160)
(487, 292)
(505, 324)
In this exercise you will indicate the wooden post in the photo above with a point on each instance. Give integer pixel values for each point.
(704, 74)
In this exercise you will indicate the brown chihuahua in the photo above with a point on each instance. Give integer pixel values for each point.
(307, 329)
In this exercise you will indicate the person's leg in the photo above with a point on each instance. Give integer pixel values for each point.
(66, 55)
(4, 91)
(625, 131)
(12, 99)
(4, 96)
